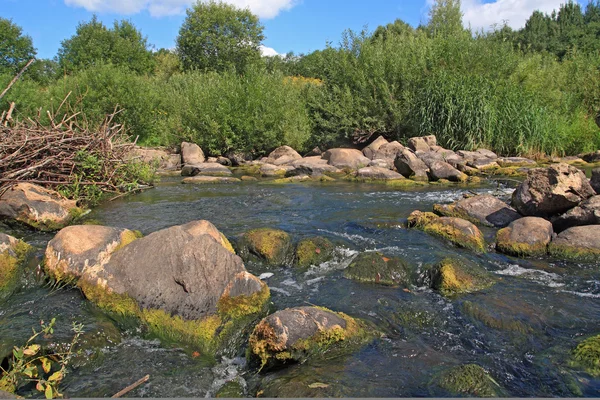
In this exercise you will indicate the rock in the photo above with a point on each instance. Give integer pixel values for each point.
(313, 166)
(314, 152)
(247, 178)
(457, 230)
(285, 152)
(487, 153)
(525, 237)
(269, 170)
(191, 154)
(202, 179)
(587, 355)
(515, 162)
(76, 250)
(419, 144)
(207, 169)
(429, 157)
(224, 161)
(370, 150)
(162, 159)
(230, 390)
(184, 284)
(469, 380)
(377, 173)
(551, 191)
(12, 255)
(294, 334)
(591, 157)
(382, 163)
(269, 245)
(483, 209)
(410, 166)
(238, 158)
(374, 267)
(595, 181)
(442, 170)
(586, 213)
(483, 163)
(313, 251)
(580, 243)
(464, 168)
(40, 208)
(285, 160)
(293, 179)
(346, 158)
(454, 276)
(388, 151)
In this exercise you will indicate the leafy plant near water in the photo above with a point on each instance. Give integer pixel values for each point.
(30, 364)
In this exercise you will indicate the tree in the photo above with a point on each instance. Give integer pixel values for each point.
(445, 18)
(16, 49)
(94, 44)
(397, 28)
(218, 36)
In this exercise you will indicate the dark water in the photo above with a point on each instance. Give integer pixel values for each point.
(542, 308)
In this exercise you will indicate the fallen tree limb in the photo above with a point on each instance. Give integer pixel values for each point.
(131, 387)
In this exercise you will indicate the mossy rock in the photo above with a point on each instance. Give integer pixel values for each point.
(456, 276)
(313, 251)
(230, 390)
(458, 231)
(469, 380)
(495, 322)
(418, 219)
(579, 243)
(525, 237)
(587, 356)
(269, 245)
(297, 334)
(13, 253)
(374, 267)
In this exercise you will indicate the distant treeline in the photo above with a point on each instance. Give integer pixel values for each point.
(526, 92)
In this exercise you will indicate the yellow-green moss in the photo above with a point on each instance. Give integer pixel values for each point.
(120, 304)
(587, 355)
(374, 267)
(505, 324)
(313, 251)
(230, 390)
(454, 277)
(474, 242)
(272, 245)
(450, 210)
(225, 242)
(418, 219)
(292, 179)
(469, 380)
(518, 249)
(10, 262)
(510, 171)
(574, 253)
(241, 306)
(247, 169)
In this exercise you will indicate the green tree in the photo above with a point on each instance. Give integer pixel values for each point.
(218, 36)
(398, 27)
(15, 48)
(93, 44)
(445, 18)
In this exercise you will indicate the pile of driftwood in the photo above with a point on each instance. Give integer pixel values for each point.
(53, 153)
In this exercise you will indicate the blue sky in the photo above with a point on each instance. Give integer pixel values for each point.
(300, 26)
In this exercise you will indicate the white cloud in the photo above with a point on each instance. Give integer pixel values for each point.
(515, 12)
(267, 51)
(160, 8)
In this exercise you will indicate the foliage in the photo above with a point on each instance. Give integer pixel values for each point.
(216, 36)
(31, 364)
(94, 44)
(16, 49)
(445, 18)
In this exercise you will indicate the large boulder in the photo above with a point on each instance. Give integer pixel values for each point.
(313, 166)
(313, 251)
(346, 158)
(580, 243)
(551, 191)
(410, 166)
(591, 157)
(206, 169)
(442, 170)
(482, 209)
(374, 267)
(483, 163)
(453, 276)
(269, 245)
(422, 143)
(527, 236)
(284, 152)
(271, 170)
(162, 159)
(595, 181)
(40, 208)
(294, 334)
(77, 249)
(456, 230)
(12, 254)
(587, 213)
(377, 173)
(371, 149)
(191, 154)
(515, 162)
(203, 179)
(388, 151)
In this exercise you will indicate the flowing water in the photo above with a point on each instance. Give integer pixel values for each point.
(537, 312)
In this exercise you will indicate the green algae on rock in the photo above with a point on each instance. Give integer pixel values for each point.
(580, 243)
(374, 267)
(587, 355)
(458, 231)
(495, 322)
(456, 276)
(12, 256)
(313, 251)
(469, 380)
(525, 237)
(270, 245)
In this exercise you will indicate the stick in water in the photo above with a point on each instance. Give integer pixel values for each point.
(131, 387)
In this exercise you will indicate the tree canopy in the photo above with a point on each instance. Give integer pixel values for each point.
(445, 18)
(218, 36)
(15, 48)
(93, 43)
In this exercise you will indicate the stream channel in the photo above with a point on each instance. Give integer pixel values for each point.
(540, 309)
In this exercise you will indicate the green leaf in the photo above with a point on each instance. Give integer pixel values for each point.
(32, 350)
(48, 393)
(46, 364)
(55, 377)
(18, 353)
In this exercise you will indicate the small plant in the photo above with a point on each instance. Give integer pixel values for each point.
(30, 364)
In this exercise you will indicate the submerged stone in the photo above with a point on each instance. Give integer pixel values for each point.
(456, 276)
(313, 251)
(456, 230)
(469, 380)
(587, 355)
(267, 244)
(374, 267)
(12, 255)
